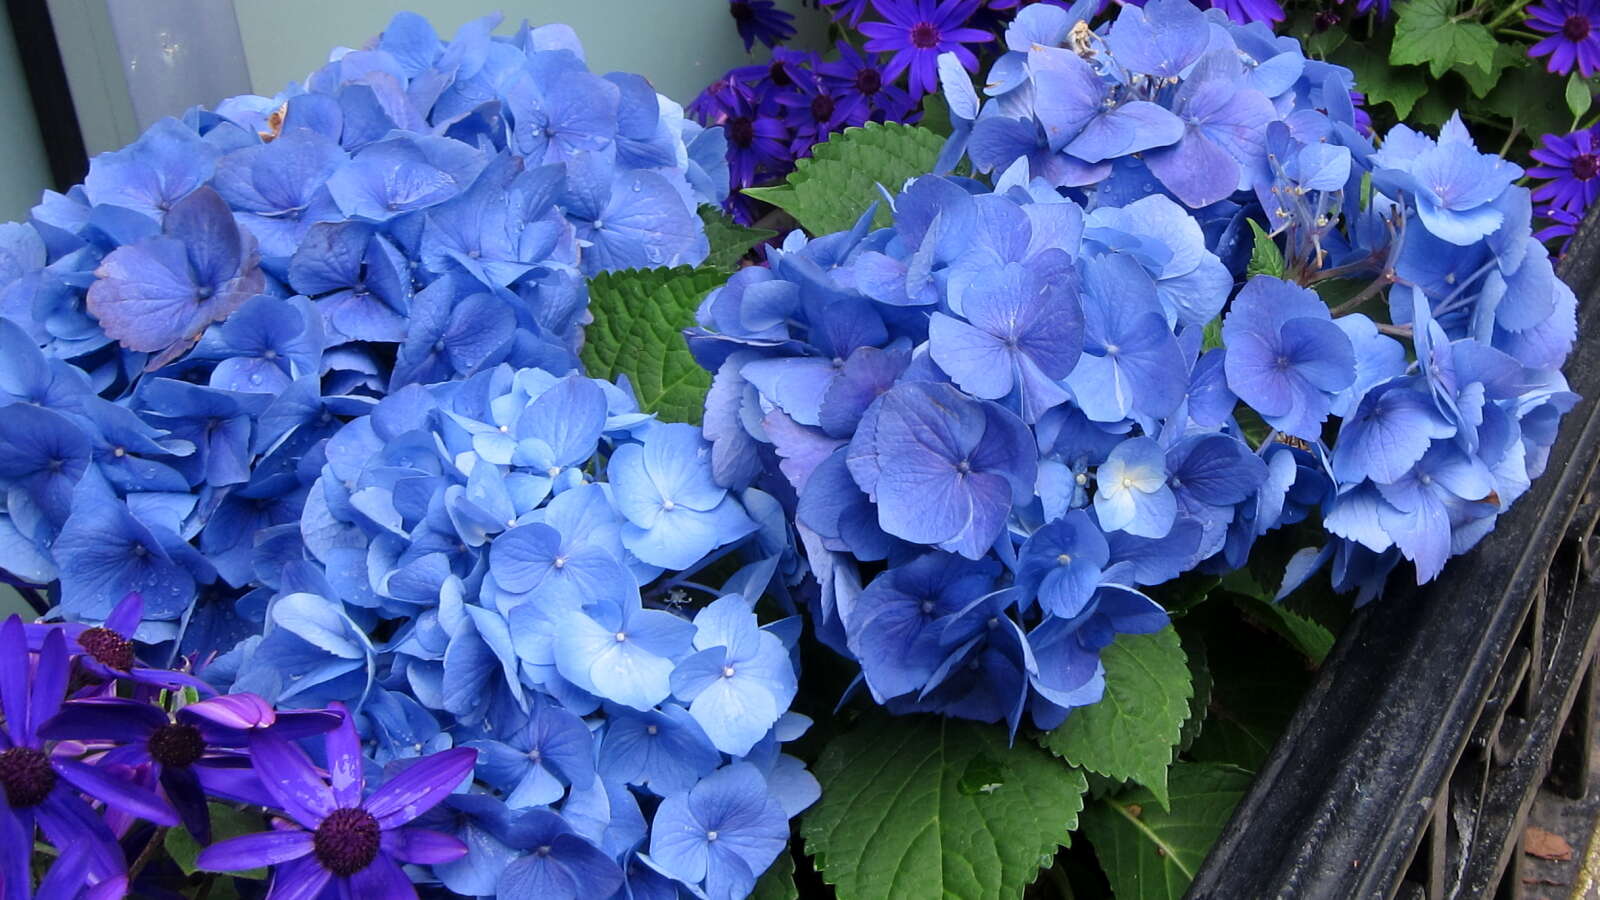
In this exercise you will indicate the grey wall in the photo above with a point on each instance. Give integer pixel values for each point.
(23, 171)
(680, 45)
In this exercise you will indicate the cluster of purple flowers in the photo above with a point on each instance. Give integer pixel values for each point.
(102, 754)
(773, 113)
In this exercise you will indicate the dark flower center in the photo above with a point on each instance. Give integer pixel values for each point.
(1585, 166)
(108, 648)
(741, 131)
(1576, 28)
(204, 292)
(924, 35)
(26, 776)
(1325, 20)
(347, 841)
(822, 107)
(869, 81)
(741, 12)
(176, 745)
(779, 74)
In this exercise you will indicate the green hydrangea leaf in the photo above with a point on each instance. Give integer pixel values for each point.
(639, 317)
(1150, 853)
(1265, 257)
(829, 191)
(1482, 81)
(922, 807)
(1428, 32)
(729, 240)
(226, 822)
(1130, 734)
(777, 883)
(1398, 86)
(1303, 633)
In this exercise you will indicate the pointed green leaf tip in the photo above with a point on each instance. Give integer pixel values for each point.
(1152, 854)
(1430, 32)
(729, 240)
(639, 317)
(921, 807)
(829, 191)
(1265, 257)
(226, 822)
(1579, 97)
(1130, 734)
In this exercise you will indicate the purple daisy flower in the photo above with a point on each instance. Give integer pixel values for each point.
(917, 31)
(38, 784)
(757, 141)
(1570, 162)
(343, 838)
(813, 113)
(1571, 25)
(190, 753)
(106, 651)
(760, 20)
(856, 78)
(788, 69)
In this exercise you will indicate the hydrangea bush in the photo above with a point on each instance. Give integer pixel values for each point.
(366, 390)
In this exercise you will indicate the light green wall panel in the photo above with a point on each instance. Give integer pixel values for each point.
(680, 45)
(23, 170)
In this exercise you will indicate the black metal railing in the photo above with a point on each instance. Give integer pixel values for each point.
(1410, 766)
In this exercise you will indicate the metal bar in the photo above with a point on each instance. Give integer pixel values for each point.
(1341, 805)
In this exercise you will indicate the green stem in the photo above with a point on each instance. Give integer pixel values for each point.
(1516, 129)
(147, 854)
(1507, 14)
(1524, 35)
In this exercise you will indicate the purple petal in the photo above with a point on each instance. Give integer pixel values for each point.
(420, 845)
(114, 792)
(14, 678)
(49, 681)
(241, 711)
(189, 798)
(299, 879)
(67, 820)
(383, 878)
(344, 760)
(103, 719)
(420, 787)
(291, 779)
(250, 851)
(127, 615)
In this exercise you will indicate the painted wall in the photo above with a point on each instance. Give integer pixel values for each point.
(23, 171)
(680, 45)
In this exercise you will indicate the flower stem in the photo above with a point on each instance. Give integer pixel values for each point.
(148, 853)
(1354, 303)
(1506, 14)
